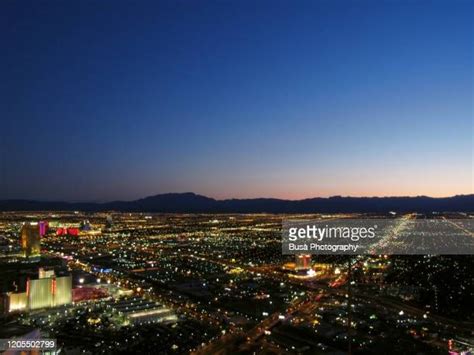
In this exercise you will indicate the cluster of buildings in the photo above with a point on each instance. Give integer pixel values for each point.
(137, 310)
(220, 273)
(47, 291)
(302, 267)
(31, 234)
(44, 287)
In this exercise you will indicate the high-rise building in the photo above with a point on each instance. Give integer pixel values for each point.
(303, 262)
(39, 293)
(30, 240)
(62, 290)
(43, 228)
(45, 292)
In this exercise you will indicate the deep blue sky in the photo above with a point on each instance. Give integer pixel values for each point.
(106, 100)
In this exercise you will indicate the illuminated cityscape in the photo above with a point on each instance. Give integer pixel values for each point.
(237, 177)
(218, 283)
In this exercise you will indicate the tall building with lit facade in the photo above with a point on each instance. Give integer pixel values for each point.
(47, 291)
(30, 240)
(303, 262)
(43, 228)
(39, 293)
(62, 290)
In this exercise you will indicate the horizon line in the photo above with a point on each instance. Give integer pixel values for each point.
(233, 198)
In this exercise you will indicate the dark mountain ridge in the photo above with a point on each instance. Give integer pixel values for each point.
(193, 203)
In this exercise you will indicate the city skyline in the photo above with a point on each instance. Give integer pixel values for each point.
(245, 100)
(237, 177)
(225, 283)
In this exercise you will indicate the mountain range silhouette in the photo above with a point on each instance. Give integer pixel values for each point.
(192, 203)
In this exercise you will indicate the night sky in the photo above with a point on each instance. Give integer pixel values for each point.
(105, 100)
